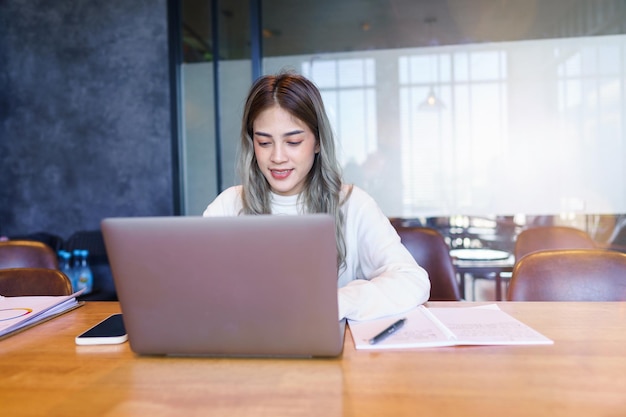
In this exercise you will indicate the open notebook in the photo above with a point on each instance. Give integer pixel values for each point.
(232, 286)
(453, 326)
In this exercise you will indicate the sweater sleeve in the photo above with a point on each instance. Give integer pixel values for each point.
(228, 203)
(387, 279)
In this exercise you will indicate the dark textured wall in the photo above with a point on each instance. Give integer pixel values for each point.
(84, 113)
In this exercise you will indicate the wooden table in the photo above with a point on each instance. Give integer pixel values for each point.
(43, 373)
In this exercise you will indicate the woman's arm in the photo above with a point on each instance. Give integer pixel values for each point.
(382, 277)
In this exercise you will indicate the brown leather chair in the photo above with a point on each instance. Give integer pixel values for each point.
(27, 254)
(16, 282)
(569, 275)
(432, 253)
(551, 237)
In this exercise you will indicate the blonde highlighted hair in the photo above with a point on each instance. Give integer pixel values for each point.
(322, 191)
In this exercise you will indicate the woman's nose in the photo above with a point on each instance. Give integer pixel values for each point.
(278, 154)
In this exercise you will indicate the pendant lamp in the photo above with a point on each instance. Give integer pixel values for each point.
(432, 102)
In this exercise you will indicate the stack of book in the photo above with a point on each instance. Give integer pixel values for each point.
(19, 313)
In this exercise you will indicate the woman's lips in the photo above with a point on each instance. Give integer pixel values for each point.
(280, 174)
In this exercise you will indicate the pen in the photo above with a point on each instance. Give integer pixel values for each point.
(388, 331)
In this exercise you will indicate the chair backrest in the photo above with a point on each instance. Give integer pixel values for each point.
(21, 282)
(551, 237)
(91, 240)
(27, 254)
(569, 275)
(432, 253)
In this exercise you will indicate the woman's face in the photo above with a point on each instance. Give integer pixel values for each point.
(285, 149)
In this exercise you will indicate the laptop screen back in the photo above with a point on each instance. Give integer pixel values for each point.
(232, 286)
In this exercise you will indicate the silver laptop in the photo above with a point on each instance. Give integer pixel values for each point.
(227, 286)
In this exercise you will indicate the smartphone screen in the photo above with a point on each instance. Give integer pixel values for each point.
(109, 331)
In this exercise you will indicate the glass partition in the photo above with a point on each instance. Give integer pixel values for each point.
(441, 108)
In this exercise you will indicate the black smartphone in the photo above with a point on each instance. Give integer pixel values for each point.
(108, 332)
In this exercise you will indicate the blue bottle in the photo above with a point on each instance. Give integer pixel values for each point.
(75, 268)
(84, 274)
(65, 266)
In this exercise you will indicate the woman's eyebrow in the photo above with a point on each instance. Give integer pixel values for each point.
(293, 132)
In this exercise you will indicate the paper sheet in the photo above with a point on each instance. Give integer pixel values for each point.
(433, 327)
(19, 312)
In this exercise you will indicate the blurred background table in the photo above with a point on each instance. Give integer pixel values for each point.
(482, 263)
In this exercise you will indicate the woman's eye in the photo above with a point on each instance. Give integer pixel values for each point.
(294, 143)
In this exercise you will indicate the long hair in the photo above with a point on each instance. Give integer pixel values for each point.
(322, 190)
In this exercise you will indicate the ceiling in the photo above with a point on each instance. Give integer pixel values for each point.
(293, 27)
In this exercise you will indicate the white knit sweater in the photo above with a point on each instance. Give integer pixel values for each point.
(381, 277)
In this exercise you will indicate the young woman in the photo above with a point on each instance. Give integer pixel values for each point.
(288, 166)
